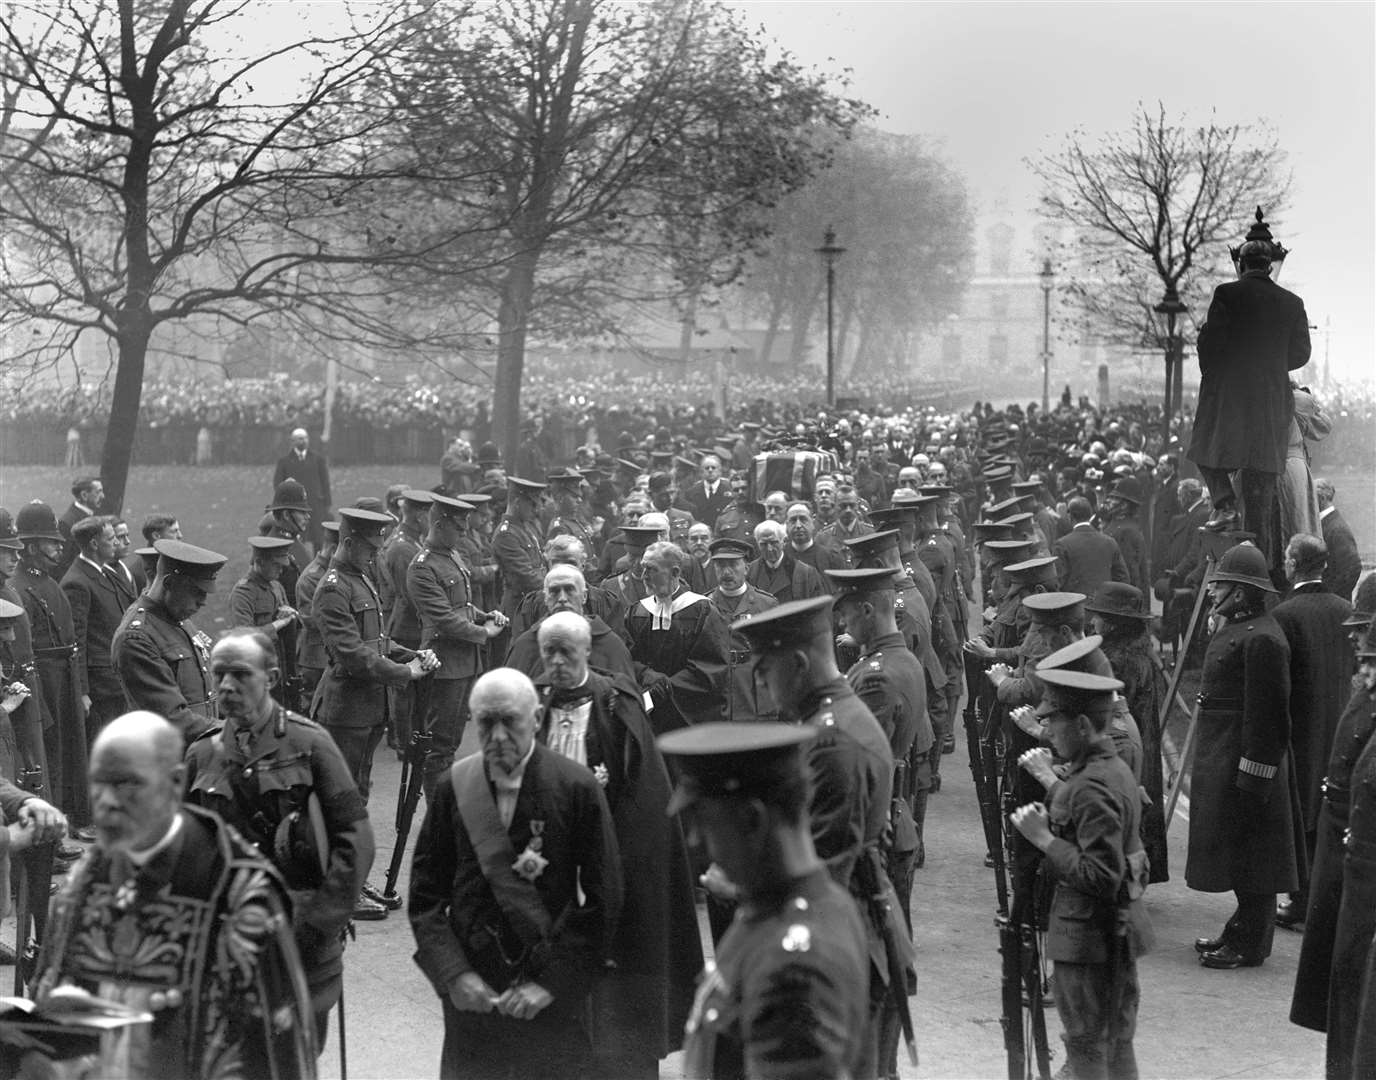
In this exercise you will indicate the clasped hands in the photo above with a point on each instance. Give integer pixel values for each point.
(520, 1001)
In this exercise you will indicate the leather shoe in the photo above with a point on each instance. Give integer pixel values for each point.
(1289, 915)
(1227, 958)
(1208, 944)
(68, 852)
(84, 836)
(366, 910)
(377, 896)
(948, 744)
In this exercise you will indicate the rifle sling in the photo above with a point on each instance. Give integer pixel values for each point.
(518, 898)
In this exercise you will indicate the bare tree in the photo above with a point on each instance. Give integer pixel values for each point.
(1151, 210)
(155, 168)
(620, 153)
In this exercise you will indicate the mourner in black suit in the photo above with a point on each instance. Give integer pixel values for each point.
(98, 605)
(312, 472)
(1085, 557)
(1344, 562)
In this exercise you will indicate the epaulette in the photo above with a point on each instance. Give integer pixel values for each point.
(136, 621)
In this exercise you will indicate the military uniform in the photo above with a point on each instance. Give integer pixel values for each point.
(310, 649)
(748, 699)
(517, 549)
(164, 666)
(738, 522)
(438, 587)
(350, 701)
(255, 601)
(260, 781)
(397, 552)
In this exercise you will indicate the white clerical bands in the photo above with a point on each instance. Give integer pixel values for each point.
(1256, 768)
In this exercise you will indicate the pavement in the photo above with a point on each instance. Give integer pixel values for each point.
(1193, 1022)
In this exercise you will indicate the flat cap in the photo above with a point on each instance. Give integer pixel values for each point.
(176, 558)
(639, 537)
(723, 760)
(798, 622)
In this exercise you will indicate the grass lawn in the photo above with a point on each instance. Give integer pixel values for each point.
(219, 507)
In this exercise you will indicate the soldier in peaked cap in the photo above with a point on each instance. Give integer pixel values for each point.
(1097, 925)
(439, 589)
(1242, 822)
(627, 586)
(398, 550)
(350, 701)
(786, 993)
(852, 769)
(736, 599)
(162, 660)
(518, 542)
(310, 649)
(890, 680)
(259, 600)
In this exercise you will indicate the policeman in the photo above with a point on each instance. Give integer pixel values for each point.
(289, 515)
(350, 701)
(439, 589)
(852, 768)
(786, 994)
(889, 679)
(258, 599)
(280, 780)
(162, 660)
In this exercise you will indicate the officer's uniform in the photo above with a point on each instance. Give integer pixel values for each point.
(749, 699)
(350, 701)
(260, 781)
(401, 621)
(738, 522)
(786, 995)
(164, 665)
(438, 587)
(310, 649)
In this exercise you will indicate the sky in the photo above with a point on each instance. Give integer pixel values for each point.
(992, 84)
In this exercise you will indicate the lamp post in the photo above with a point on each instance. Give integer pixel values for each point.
(1048, 283)
(830, 253)
(1170, 308)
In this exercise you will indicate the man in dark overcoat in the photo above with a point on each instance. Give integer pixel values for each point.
(1255, 334)
(312, 472)
(1320, 670)
(598, 720)
(1244, 828)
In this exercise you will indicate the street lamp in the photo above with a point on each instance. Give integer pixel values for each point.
(1170, 308)
(830, 253)
(1048, 283)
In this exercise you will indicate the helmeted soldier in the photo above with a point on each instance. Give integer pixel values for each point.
(162, 660)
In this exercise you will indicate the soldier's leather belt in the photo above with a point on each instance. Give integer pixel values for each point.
(55, 652)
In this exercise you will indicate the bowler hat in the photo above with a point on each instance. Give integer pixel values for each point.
(1118, 599)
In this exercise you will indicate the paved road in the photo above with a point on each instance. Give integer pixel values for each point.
(1193, 1023)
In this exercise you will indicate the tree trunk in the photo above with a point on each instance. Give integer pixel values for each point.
(776, 314)
(118, 452)
(513, 316)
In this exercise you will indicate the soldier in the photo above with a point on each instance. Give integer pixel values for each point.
(259, 600)
(735, 598)
(400, 548)
(1098, 925)
(849, 523)
(786, 994)
(452, 627)
(569, 518)
(475, 548)
(350, 701)
(518, 541)
(738, 520)
(281, 781)
(852, 770)
(57, 656)
(162, 660)
(310, 650)
(399, 618)
(890, 681)
(627, 587)
(662, 496)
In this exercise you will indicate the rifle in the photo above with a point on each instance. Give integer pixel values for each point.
(873, 880)
(33, 872)
(412, 780)
(1024, 988)
(985, 783)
